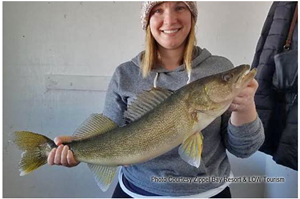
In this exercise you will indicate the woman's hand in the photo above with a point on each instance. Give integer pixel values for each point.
(243, 106)
(62, 155)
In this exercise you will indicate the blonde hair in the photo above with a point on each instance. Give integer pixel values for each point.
(151, 56)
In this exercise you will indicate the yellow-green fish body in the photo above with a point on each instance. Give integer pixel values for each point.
(159, 120)
(152, 135)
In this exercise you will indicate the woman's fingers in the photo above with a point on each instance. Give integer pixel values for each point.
(71, 160)
(254, 84)
(240, 100)
(57, 159)
(238, 103)
(63, 158)
(51, 156)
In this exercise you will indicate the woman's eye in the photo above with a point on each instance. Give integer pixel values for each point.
(227, 77)
(179, 8)
(157, 11)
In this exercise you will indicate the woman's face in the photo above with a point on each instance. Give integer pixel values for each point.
(170, 24)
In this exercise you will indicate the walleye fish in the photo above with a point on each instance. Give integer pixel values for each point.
(159, 120)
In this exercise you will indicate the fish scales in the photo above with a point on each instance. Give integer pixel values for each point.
(160, 127)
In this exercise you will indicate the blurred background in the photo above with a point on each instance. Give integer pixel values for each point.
(58, 58)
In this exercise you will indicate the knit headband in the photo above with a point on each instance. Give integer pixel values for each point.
(148, 5)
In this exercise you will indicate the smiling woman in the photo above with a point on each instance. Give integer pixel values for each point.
(171, 60)
(171, 30)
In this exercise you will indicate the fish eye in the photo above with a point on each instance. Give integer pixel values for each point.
(227, 77)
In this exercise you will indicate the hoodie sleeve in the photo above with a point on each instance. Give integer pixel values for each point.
(242, 141)
(114, 103)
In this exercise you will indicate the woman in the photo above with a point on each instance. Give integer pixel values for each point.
(172, 60)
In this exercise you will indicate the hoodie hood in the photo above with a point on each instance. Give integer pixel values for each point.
(200, 55)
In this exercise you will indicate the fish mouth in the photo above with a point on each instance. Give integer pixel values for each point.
(245, 78)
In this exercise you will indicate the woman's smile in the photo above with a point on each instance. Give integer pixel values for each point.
(171, 31)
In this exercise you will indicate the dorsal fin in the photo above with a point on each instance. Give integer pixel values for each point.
(145, 102)
(95, 124)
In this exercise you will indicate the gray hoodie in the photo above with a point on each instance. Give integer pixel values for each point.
(220, 135)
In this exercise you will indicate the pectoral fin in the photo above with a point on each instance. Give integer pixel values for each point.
(191, 149)
(103, 175)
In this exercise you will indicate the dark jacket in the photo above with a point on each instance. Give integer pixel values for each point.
(277, 108)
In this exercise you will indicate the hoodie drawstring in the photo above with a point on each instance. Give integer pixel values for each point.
(189, 78)
(155, 80)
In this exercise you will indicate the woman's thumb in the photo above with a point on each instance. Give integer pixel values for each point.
(62, 139)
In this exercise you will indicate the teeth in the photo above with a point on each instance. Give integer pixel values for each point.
(170, 31)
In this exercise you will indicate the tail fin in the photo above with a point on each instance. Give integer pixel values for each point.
(36, 148)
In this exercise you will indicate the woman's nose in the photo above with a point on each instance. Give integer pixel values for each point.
(170, 18)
